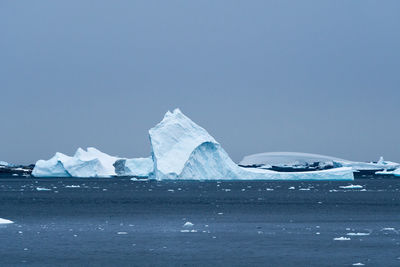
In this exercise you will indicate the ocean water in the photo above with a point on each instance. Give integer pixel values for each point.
(103, 222)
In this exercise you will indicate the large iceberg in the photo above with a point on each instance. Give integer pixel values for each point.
(89, 163)
(182, 149)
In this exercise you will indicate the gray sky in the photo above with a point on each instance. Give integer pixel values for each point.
(308, 76)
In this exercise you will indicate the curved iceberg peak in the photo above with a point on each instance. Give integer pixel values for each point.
(90, 163)
(183, 150)
(173, 141)
(137, 167)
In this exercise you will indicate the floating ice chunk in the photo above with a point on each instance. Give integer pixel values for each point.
(291, 188)
(358, 264)
(5, 221)
(72, 186)
(122, 233)
(358, 234)
(42, 189)
(351, 186)
(188, 224)
(342, 238)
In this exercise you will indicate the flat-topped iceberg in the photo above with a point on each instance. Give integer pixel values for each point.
(296, 160)
(182, 149)
(90, 163)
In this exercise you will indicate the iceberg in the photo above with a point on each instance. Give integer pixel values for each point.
(137, 167)
(296, 160)
(3, 163)
(90, 163)
(181, 149)
(53, 167)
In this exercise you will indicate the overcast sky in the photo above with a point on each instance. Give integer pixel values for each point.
(307, 76)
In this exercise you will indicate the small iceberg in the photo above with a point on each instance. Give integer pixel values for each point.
(188, 224)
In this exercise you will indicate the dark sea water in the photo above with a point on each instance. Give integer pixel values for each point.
(112, 222)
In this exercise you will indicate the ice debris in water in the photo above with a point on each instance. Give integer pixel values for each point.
(342, 238)
(5, 221)
(357, 234)
(358, 264)
(122, 233)
(42, 189)
(352, 186)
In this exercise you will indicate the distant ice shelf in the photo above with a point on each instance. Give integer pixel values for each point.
(292, 161)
